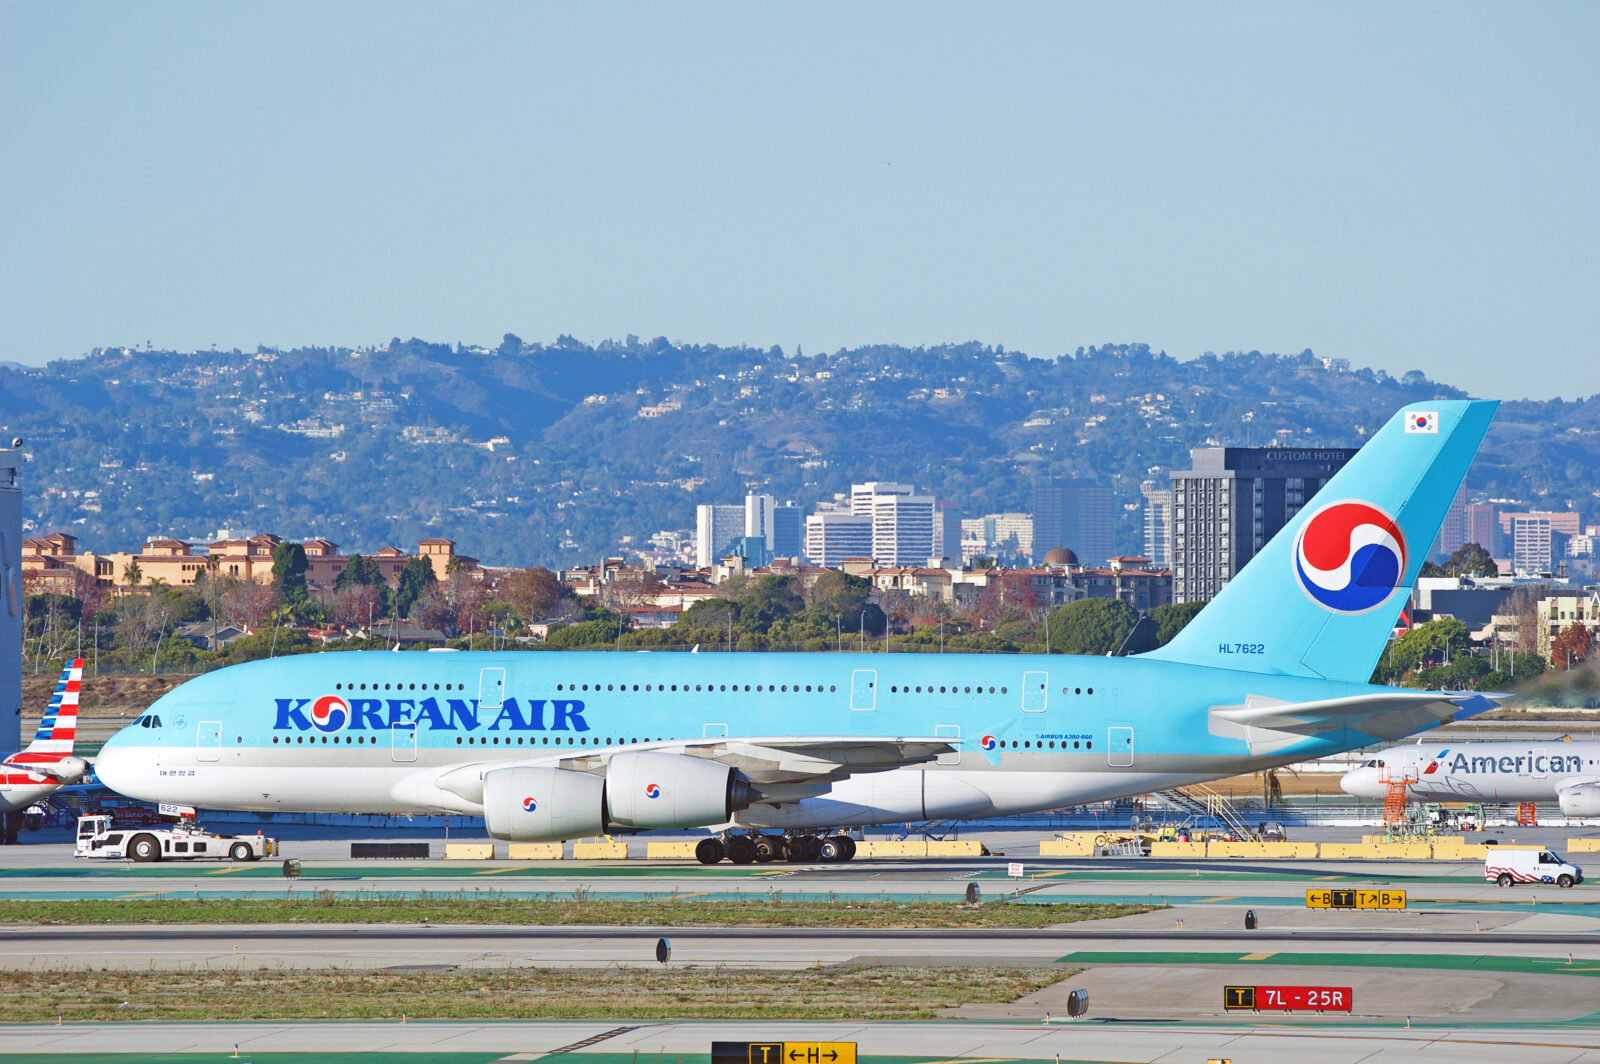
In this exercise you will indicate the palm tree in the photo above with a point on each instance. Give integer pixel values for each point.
(133, 575)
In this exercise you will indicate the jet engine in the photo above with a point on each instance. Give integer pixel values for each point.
(1582, 800)
(647, 790)
(543, 804)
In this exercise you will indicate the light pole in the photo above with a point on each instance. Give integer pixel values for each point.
(838, 633)
(862, 627)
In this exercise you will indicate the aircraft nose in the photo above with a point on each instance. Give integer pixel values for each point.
(120, 767)
(1361, 782)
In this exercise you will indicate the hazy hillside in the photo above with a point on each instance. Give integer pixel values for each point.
(554, 452)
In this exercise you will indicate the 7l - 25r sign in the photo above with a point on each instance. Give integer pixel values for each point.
(1288, 998)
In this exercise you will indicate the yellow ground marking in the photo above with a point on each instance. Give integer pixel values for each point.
(693, 894)
(1047, 875)
(1222, 897)
(1257, 956)
(496, 871)
(224, 871)
(141, 894)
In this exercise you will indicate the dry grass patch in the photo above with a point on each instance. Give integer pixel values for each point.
(867, 993)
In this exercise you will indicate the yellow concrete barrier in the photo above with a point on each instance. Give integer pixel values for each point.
(1069, 847)
(1583, 845)
(469, 851)
(1404, 851)
(1177, 849)
(1460, 851)
(534, 851)
(672, 851)
(1270, 850)
(1347, 851)
(900, 848)
(955, 848)
(599, 851)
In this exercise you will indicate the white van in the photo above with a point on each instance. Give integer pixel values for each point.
(1506, 866)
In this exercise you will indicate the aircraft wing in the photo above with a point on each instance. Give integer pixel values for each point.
(781, 768)
(794, 758)
(1269, 724)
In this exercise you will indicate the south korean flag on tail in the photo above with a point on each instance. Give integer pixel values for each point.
(1422, 422)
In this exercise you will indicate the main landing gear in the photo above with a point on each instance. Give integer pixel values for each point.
(794, 847)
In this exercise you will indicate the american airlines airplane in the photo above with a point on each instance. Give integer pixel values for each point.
(47, 764)
(776, 751)
(1567, 772)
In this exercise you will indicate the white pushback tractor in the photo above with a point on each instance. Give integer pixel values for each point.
(183, 841)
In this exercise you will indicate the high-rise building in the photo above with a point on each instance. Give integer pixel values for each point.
(1479, 525)
(1453, 533)
(1157, 524)
(758, 516)
(715, 529)
(1530, 543)
(1008, 537)
(946, 532)
(834, 535)
(1076, 514)
(788, 531)
(864, 496)
(902, 529)
(1232, 502)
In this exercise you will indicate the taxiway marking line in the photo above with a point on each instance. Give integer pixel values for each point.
(1257, 956)
(1222, 897)
(496, 871)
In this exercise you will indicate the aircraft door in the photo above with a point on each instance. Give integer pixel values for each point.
(208, 741)
(1035, 691)
(403, 740)
(491, 688)
(1119, 748)
(863, 688)
(953, 733)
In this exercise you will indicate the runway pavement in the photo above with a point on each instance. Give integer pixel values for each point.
(1511, 974)
(688, 1043)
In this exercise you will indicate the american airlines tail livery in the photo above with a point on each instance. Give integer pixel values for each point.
(549, 746)
(47, 764)
(1532, 771)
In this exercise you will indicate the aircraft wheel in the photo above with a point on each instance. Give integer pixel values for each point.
(1505, 879)
(741, 850)
(144, 848)
(1563, 880)
(767, 848)
(708, 851)
(810, 847)
(795, 848)
(830, 850)
(849, 847)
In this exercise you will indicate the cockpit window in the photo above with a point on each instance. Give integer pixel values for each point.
(149, 720)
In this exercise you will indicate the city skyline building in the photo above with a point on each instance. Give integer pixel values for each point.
(1453, 533)
(1232, 501)
(834, 535)
(716, 527)
(1531, 543)
(1157, 524)
(1074, 513)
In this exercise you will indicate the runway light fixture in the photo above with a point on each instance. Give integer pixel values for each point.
(663, 950)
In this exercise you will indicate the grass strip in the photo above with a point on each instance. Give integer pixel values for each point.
(489, 907)
(862, 993)
(1465, 963)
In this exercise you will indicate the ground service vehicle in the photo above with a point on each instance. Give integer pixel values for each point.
(1506, 866)
(97, 837)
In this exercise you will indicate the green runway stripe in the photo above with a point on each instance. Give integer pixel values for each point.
(1522, 965)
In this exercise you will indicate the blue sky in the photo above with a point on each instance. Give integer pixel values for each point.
(1410, 186)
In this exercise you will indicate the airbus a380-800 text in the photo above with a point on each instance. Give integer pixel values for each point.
(559, 745)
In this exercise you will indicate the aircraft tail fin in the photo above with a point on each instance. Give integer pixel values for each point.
(58, 728)
(1321, 598)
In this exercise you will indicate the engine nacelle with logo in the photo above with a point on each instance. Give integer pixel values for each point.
(1582, 800)
(543, 804)
(647, 790)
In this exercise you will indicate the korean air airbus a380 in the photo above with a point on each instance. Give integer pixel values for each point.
(549, 746)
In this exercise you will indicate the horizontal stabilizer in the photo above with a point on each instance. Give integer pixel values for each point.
(1268, 725)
